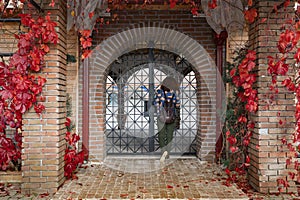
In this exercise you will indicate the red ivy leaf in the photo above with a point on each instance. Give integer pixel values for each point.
(68, 122)
(297, 55)
(280, 122)
(45, 48)
(250, 15)
(232, 140)
(251, 125)
(212, 4)
(52, 4)
(194, 11)
(263, 20)
(233, 149)
(246, 142)
(86, 42)
(39, 108)
(247, 159)
(227, 133)
(21, 108)
(251, 55)
(85, 33)
(232, 72)
(6, 94)
(227, 171)
(288, 161)
(286, 3)
(289, 84)
(172, 3)
(251, 106)
(250, 2)
(91, 15)
(284, 141)
(292, 175)
(287, 41)
(86, 53)
(250, 65)
(41, 81)
(242, 119)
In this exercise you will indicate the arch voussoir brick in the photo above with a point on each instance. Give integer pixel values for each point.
(167, 39)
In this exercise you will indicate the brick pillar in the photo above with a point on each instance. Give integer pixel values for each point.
(43, 141)
(267, 155)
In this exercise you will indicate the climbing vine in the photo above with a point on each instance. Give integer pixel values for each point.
(21, 89)
(286, 65)
(73, 158)
(241, 104)
(238, 127)
(20, 84)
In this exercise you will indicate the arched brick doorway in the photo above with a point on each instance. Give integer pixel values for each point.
(163, 39)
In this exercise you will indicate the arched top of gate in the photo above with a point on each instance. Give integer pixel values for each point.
(164, 39)
(151, 37)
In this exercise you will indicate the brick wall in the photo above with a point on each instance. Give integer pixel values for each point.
(43, 141)
(180, 20)
(174, 31)
(267, 156)
(236, 40)
(8, 42)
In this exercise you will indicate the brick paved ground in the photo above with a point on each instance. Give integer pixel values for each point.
(124, 178)
(147, 179)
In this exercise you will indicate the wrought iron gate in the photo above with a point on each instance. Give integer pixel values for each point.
(130, 116)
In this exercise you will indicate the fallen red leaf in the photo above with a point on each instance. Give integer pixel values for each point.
(123, 195)
(144, 191)
(44, 195)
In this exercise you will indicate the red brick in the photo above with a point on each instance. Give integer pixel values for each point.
(285, 105)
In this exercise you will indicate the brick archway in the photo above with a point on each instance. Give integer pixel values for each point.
(160, 38)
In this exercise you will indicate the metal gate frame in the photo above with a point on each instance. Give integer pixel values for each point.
(120, 140)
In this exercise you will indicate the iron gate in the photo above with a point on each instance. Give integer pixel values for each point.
(130, 114)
